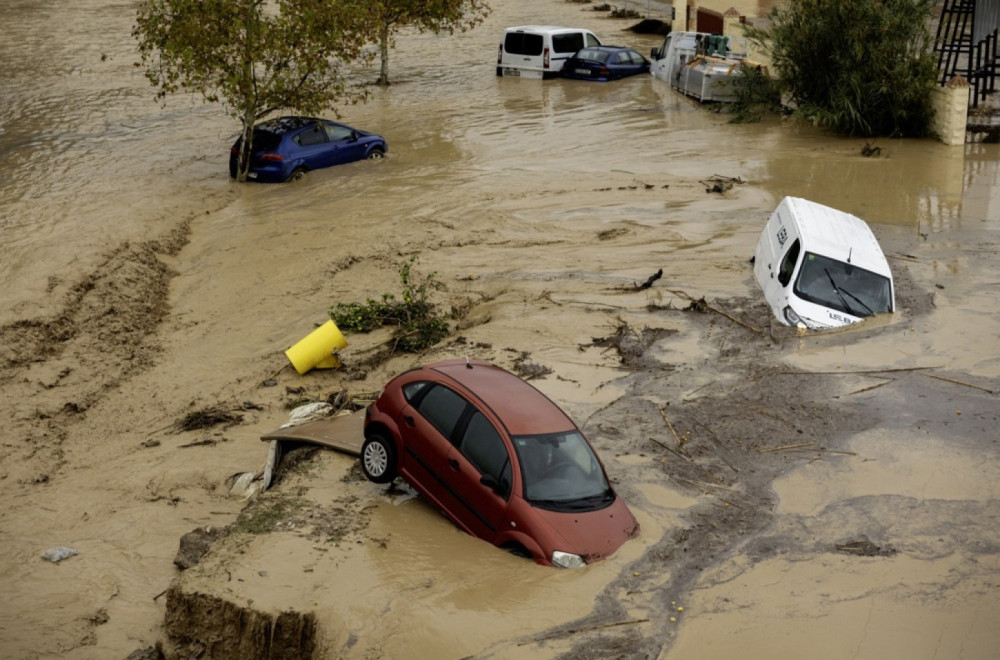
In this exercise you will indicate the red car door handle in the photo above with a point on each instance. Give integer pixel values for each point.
(409, 420)
(453, 463)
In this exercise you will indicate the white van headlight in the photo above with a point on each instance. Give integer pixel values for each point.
(567, 560)
(793, 318)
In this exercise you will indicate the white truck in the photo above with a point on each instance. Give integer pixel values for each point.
(699, 64)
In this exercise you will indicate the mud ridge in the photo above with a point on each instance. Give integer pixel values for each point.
(208, 626)
(55, 369)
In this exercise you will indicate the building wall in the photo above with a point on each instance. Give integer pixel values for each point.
(951, 111)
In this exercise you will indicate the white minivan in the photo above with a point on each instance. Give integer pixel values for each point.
(820, 267)
(539, 51)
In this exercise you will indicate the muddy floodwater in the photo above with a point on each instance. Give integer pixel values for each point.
(819, 496)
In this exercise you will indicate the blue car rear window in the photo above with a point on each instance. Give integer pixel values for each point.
(265, 140)
(593, 54)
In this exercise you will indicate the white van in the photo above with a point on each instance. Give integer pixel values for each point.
(820, 267)
(539, 51)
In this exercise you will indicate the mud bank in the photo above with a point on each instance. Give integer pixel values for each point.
(208, 626)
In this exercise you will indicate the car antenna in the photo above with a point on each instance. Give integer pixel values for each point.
(850, 251)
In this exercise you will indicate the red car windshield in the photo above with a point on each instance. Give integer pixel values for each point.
(561, 472)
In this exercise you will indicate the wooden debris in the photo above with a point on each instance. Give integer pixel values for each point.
(663, 414)
(706, 484)
(958, 382)
(766, 413)
(865, 548)
(207, 417)
(573, 631)
(863, 372)
(871, 387)
(801, 445)
(649, 281)
(701, 303)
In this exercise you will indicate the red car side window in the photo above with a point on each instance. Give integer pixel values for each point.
(442, 408)
(485, 449)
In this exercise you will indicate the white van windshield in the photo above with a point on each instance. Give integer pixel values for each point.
(843, 287)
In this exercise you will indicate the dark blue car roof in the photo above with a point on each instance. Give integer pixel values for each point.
(600, 53)
(283, 125)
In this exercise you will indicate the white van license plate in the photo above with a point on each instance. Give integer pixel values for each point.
(511, 72)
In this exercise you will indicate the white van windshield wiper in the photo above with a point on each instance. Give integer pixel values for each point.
(836, 290)
(871, 312)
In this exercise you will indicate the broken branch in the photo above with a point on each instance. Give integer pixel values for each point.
(649, 281)
(718, 311)
(801, 445)
(958, 382)
(680, 443)
(573, 631)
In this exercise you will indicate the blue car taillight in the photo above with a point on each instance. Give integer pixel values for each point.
(276, 158)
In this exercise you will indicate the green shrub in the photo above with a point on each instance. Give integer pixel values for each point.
(858, 67)
(418, 324)
(755, 95)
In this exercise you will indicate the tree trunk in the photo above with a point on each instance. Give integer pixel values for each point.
(383, 77)
(252, 29)
(246, 147)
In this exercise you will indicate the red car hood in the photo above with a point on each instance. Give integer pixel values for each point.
(590, 534)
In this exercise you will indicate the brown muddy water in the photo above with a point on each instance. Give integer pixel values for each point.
(139, 284)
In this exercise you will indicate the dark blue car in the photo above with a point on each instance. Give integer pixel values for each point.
(605, 63)
(288, 147)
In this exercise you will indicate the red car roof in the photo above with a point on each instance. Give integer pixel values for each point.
(523, 409)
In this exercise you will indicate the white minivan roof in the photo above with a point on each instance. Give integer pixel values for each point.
(835, 234)
(544, 28)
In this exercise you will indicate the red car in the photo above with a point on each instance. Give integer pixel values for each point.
(499, 458)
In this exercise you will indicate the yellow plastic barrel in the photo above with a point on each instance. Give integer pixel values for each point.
(315, 350)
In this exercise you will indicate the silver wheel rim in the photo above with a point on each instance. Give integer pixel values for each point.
(376, 459)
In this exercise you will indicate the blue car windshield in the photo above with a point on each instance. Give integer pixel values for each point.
(561, 472)
(843, 287)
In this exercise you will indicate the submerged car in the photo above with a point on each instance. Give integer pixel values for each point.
(605, 63)
(821, 268)
(499, 459)
(288, 147)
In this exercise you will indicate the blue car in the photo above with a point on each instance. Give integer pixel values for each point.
(605, 63)
(288, 147)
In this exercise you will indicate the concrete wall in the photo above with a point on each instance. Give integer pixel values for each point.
(732, 26)
(951, 111)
